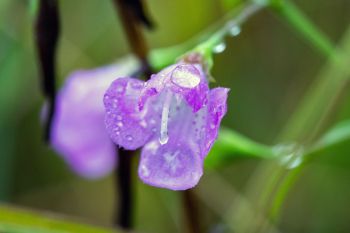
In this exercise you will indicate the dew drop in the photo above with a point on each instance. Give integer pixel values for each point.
(116, 130)
(145, 171)
(129, 138)
(115, 103)
(143, 123)
(219, 48)
(120, 124)
(235, 30)
(291, 155)
(295, 162)
(119, 89)
(186, 76)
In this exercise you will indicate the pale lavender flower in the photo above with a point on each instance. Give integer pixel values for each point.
(78, 131)
(174, 116)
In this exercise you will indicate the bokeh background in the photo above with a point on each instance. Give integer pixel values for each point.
(268, 67)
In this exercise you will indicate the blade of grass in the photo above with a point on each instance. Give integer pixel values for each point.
(290, 13)
(24, 221)
(312, 115)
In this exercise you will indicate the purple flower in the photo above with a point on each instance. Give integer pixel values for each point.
(174, 116)
(78, 130)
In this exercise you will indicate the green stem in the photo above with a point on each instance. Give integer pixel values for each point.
(231, 143)
(205, 42)
(307, 122)
(301, 24)
(311, 117)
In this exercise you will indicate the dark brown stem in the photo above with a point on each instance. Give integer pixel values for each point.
(130, 21)
(191, 211)
(131, 14)
(47, 29)
(123, 175)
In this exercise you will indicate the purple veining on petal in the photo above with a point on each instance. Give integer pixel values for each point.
(79, 133)
(175, 165)
(186, 117)
(217, 108)
(128, 126)
(168, 78)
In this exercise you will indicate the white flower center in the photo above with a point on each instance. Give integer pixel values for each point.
(163, 139)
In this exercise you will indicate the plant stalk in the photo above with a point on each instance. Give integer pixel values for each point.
(124, 188)
(47, 30)
(191, 211)
(129, 13)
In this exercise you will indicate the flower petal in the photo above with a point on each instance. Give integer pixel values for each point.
(186, 80)
(175, 165)
(196, 96)
(127, 125)
(217, 108)
(78, 131)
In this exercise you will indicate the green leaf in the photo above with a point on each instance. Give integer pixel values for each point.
(15, 220)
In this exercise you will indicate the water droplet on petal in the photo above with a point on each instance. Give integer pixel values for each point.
(119, 89)
(219, 48)
(143, 123)
(120, 124)
(116, 130)
(129, 138)
(186, 76)
(145, 171)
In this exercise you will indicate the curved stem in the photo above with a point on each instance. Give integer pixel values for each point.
(47, 30)
(205, 41)
(133, 32)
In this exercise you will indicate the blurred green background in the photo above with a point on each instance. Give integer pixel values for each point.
(268, 67)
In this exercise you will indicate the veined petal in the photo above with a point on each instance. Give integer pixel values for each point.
(217, 108)
(127, 125)
(175, 165)
(184, 79)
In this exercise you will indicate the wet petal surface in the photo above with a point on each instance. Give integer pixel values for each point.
(174, 165)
